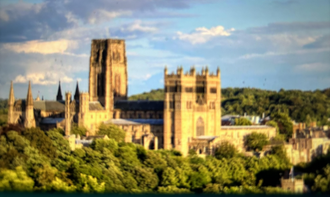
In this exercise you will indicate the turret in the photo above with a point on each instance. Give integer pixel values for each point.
(207, 71)
(59, 92)
(67, 114)
(76, 94)
(11, 102)
(29, 114)
(218, 72)
(165, 70)
(192, 71)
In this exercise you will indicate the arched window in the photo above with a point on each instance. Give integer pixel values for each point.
(200, 127)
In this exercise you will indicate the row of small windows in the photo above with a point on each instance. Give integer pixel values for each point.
(198, 89)
(189, 105)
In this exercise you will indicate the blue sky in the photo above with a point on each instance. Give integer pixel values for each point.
(267, 44)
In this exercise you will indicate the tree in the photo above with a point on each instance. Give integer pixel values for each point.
(280, 152)
(78, 130)
(225, 150)
(273, 124)
(112, 131)
(39, 140)
(242, 121)
(15, 180)
(256, 141)
(284, 123)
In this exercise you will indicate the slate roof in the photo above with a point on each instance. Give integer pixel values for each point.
(95, 105)
(43, 105)
(135, 121)
(247, 127)
(49, 105)
(51, 120)
(143, 105)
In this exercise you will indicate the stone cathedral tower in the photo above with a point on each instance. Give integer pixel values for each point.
(108, 72)
(192, 110)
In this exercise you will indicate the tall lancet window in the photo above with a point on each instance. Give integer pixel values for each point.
(200, 127)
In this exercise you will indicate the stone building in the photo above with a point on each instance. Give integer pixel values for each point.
(188, 118)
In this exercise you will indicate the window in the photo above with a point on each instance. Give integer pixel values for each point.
(171, 89)
(200, 89)
(91, 116)
(188, 104)
(200, 127)
(189, 89)
(213, 90)
(171, 104)
(212, 105)
(139, 115)
(91, 126)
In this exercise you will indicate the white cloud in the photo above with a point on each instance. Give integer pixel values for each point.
(202, 34)
(277, 53)
(313, 67)
(43, 47)
(101, 15)
(138, 26)
(44, 78)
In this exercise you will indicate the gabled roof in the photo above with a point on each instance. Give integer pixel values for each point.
(58, 106)
(140, 105)
(95, 105)
(135, 121)
(49, 105)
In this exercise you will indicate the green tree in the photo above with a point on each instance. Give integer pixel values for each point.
(112, 131)
(225, 150)
(256, 141)
(242, 121)
(39, 140)
(78, 130)
(284, 123)
(15, 180)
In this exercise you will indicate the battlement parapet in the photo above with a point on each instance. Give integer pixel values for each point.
(192, 73)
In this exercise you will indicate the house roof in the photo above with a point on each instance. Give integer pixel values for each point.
(135, 121)
(95, 105)
(246, 127)
(143, 105)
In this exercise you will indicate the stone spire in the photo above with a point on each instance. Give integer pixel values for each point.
(11, 100)
(29, 98)
(76, 94)
(59, 92)
(11, 103)
(29, 114)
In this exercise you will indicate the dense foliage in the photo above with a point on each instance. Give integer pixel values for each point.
(242, 121)
(256, 141)
(44, 162)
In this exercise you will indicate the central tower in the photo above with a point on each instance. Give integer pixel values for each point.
(108, 72)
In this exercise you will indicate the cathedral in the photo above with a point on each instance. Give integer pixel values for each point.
(188, 118)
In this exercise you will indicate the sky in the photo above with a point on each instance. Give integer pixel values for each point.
(266, 44)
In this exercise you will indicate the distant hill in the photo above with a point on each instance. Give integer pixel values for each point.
(302, 106)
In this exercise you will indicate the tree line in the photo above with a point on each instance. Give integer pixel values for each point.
(34, 160)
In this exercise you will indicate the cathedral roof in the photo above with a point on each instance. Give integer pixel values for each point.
(42, 105)
(49, 105)
(143, 105)
(95, 105)
(135, 121)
